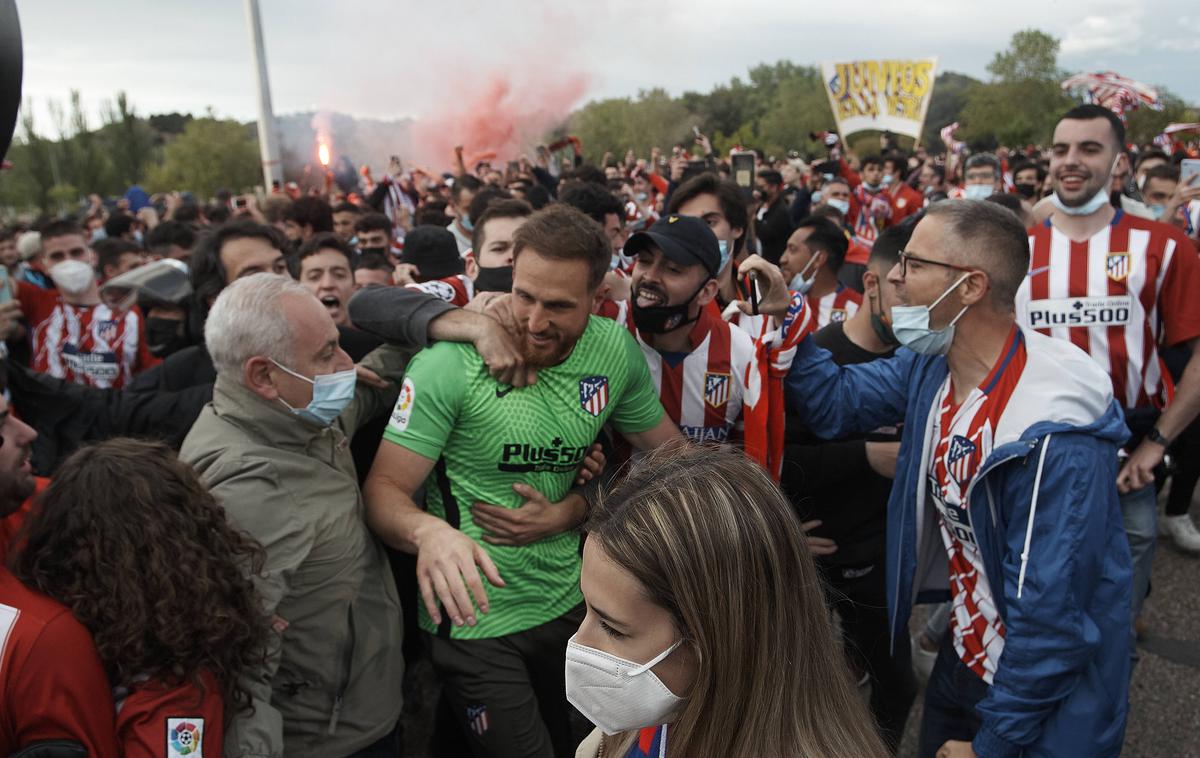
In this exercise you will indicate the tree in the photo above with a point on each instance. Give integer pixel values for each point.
(945, 106)
(1023, 103)
(130, 140)
(1031, 55)
(210, 154)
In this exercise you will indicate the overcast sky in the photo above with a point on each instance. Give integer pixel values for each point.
(393, 58)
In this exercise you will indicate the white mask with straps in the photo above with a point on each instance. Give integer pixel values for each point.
(615, 694)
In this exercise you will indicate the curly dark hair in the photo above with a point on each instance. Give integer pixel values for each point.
(129, 539)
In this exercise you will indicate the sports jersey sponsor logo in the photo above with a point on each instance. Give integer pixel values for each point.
(958, 460)
(102, 365)
(477, 718)
(1117, 266)
(404, 405)
(705, 433)
(593, 394)
(502, 391)
(956, 517)
(1114, 310)
(716, 389)
(555, 458)
(185, 736)
(837, 315)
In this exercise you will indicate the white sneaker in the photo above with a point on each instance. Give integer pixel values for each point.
(1183, 531)
(922, 659)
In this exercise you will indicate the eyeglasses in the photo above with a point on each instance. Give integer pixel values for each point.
(906, 256)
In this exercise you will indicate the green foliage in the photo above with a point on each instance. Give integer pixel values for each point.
(1031, 55)
(208, 155)
(1024, 102)
(1143, 125)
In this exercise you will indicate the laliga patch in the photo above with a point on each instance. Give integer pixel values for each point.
(404, 405)
(837, 315)
(440, 289)
(185, 737)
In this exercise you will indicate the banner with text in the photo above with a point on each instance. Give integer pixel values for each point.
(891, 95)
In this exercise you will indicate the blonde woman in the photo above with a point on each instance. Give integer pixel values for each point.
(706, 632)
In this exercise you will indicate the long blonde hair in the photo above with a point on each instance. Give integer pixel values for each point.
(712, 540)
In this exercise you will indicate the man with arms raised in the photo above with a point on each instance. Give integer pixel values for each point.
(500, 651)
(1118, 287)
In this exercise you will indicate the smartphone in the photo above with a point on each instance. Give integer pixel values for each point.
(1189, 168)
(742, 166)
(696, 131)
(748, 290)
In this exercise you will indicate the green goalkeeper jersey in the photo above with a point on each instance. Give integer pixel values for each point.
(485, 436)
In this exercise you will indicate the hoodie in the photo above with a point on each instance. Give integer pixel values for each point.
(1047, 519)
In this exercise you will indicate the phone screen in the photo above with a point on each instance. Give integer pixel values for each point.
(1188, 169)
(742, 165)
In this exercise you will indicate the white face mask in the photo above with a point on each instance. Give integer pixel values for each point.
(73, 277)
(978, 191)
(910, 324)
(799, 283)
(615, 694)
(1097, 201)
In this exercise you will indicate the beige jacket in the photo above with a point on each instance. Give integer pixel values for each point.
(331, 685)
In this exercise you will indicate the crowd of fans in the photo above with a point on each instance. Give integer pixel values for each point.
(650, 446)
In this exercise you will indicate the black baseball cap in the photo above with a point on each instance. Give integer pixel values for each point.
(433, 251)
(686, 240)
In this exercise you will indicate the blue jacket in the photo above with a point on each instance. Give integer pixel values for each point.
(1046, 517)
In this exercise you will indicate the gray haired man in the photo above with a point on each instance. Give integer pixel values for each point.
(272, 446)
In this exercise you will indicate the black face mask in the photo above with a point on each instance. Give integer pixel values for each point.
(380, 251)
(882, 330)
(660, 319)
(164, 336)
(1026, 190)
(494, 279)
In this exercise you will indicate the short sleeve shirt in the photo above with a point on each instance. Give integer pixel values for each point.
(485, 437)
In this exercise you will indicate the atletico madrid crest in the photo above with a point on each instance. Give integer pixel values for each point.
(593, 394)
(1117, 266)
(477, 718)
(837, 315)
(958, 459)
(716, 389)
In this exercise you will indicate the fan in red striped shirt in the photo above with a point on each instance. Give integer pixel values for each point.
(810, 263)
(1120, 288)
(963, 434)
(715, 380)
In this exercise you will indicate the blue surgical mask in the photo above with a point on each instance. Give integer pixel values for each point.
(842, 205)
(799, 283)
(331, 394)
(1158, 209)
(910, 324)
(816, 197)
(888, 179)
(979, 191)
(642, 197)
(871, 187)
(725, 254)
(466, 222)
(1097, 201)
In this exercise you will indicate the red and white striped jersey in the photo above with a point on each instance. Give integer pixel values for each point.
(456, 290)
(704, 390)
(91, 345)
(963, 436)
(835, 307)
(729, 387)
(1119, 295)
